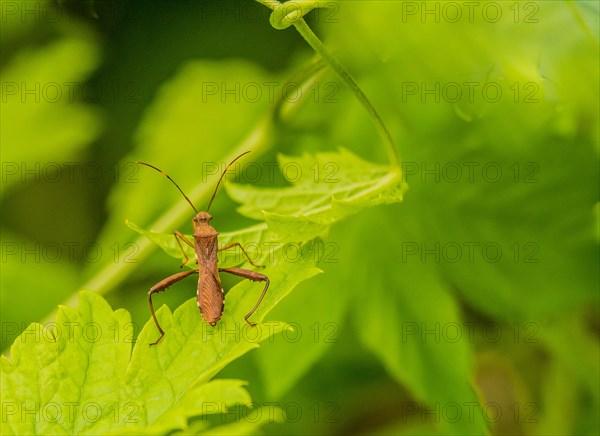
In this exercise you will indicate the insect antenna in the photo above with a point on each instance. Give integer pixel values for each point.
(221, 178)
(172, 181)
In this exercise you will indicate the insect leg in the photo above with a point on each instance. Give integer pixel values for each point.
(255, 277)
(179, 237)
(161, 286)
(237, 244)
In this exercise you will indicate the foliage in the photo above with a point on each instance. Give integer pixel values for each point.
(477, 295)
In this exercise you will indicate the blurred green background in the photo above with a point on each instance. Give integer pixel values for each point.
(482, 284)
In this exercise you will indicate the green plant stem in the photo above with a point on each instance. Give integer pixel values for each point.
(320, 48)
(312, 39)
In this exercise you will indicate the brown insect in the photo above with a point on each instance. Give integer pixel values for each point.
(210, 296)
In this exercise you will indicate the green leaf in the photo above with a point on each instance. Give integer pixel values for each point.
(73, 376)
(326, 187)
(86, 364)
(534, 213)
(401, 313)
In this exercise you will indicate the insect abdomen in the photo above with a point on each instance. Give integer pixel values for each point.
(210, 299)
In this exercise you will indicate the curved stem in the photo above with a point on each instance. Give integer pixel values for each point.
(294, 11)
(320, 48)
